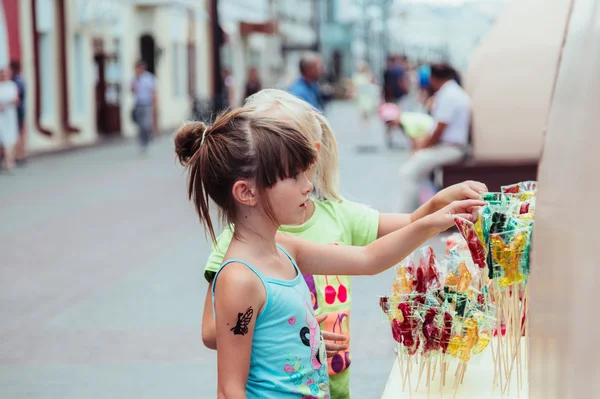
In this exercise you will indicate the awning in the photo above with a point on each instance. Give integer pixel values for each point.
(267, 28)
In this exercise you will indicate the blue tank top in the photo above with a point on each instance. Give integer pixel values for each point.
(288, 358)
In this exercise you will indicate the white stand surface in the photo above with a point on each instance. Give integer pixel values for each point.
(477, 383)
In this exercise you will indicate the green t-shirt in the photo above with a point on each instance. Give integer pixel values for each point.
(341, 222)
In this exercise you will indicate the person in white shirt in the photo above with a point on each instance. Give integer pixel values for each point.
(448, 142)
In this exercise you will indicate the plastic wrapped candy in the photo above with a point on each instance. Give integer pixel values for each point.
(517, 188)
(465, 279)
(486, 328)
(461, 281)
(431, 331)
(455, 242)
(506, 250)
(482, 225)
(524, 262)
(463, 342)
(476, 247)
(384, 304)
(427, 275)
(511, 189)
(405, 331)
(446, 331)
(404, 281)
(527, 195)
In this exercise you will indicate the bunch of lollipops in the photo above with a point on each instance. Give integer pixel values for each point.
(439, 315)
(444, 313)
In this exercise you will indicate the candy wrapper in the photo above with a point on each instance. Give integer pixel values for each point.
(437, 311)
(507, 250)
(519, 187)
(467, 229)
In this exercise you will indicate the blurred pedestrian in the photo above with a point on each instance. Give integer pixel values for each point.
(229, 85)
(365, 93)
(395, 82)
(21, 146)
(9, 122)
(448, 141)
(143, 88)
(307, 85)
(253, 84)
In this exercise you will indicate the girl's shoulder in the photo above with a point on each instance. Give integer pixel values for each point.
(237, 276)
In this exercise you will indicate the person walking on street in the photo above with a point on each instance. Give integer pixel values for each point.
(307, 85)
(17, 77)
(253, 84)
(143, 88)
(9, 125)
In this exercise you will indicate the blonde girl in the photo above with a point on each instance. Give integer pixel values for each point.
(329, 219)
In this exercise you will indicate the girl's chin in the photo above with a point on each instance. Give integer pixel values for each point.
(299, 219)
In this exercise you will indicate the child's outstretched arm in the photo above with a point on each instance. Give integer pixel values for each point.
(381, 254)
(390, 222)
(239, 297)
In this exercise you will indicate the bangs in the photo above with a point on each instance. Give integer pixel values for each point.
(281, 151)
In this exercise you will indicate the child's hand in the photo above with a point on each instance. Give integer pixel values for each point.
(444, 218)
(466, 190)
(339, 344)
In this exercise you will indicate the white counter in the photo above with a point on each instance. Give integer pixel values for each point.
(477, 382)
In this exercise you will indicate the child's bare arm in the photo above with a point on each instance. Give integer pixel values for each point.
(381, 254)
(239, 297)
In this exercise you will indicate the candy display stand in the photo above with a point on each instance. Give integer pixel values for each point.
(476, 384)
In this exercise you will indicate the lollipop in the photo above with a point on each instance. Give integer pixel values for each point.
(508, 256)
(475, 245)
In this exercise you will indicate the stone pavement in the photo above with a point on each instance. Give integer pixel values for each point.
(101, 273)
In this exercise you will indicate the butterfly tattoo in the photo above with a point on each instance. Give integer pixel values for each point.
(243, 319)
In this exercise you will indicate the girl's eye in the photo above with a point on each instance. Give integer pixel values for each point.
(297, 176)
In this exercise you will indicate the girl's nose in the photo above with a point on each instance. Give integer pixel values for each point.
(309, 186)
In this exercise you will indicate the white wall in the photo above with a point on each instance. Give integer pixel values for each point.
(4, 53)
(203, 54)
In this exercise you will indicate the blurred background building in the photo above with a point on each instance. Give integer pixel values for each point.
(78, 56)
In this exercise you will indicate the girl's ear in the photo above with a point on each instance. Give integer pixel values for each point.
(244, 192)
(318, 146)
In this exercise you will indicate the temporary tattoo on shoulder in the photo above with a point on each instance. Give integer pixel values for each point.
(243, 319)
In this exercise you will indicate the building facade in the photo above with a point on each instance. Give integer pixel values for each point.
(250, 42)
(78, 60)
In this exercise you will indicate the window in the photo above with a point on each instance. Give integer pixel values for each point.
(80, 98)
(47, 73)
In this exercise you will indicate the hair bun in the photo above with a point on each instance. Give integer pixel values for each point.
(188, 139)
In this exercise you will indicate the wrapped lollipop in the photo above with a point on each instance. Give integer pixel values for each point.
(406, 329)
(464, 338)
(446, 333)
(517, 188)
(506, 250)
(403, 282)
(486, 325)
(476, 247)
(431, 330)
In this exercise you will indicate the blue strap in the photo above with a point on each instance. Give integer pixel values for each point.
(249, 266)
(290, 258)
